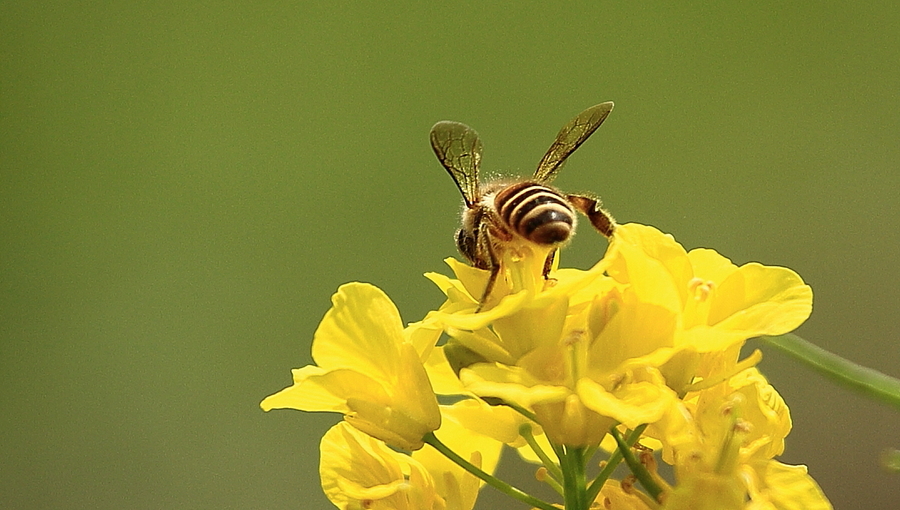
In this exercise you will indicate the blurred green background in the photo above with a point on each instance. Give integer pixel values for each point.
(185, 184)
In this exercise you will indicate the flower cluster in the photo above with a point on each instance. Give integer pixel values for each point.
(640, 351)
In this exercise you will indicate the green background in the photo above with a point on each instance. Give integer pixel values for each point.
(185, 185)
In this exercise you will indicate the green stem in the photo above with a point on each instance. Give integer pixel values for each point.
(589, 453)
(637, 468)
(521, 410)
(613, 463)
(575, 495)
(869, 382)
(525, 430)
(498, 484)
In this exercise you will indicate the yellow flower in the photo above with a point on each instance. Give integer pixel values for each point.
(368, 368)
(713, 303)
(359, 472)
(648, 339)
(722, 443)
(616, 343)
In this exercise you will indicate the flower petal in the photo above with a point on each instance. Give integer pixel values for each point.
(761, 300)
(442, 378)
(632, 404)
(710, 265)
(654, 264)
(628, 328)
(789, 488)
(316, 390)
(474, 321)
(361, 331)
(408, 413)
(357, 471)
(509, 383)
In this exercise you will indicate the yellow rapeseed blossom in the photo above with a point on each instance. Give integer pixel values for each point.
(359, 472)
(641, 348)
(617, 343)
(368, 368)
(723, 445)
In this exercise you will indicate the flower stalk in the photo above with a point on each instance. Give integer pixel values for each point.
(866, 381)
(613, 462)
(638, 469)
(573, 463)
(552, 468)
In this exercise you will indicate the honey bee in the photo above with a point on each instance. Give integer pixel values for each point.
(501, 215)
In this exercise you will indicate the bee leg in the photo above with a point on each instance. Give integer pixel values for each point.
(495, 272)
(590, 206)
(488, 259)
(548, 264)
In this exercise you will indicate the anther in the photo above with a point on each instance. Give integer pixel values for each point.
(701, 289)
(574, 337)
(742, 427)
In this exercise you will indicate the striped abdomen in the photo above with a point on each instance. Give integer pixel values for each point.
(536, 212)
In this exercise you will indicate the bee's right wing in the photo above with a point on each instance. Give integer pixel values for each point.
(570, 137)
(459, 149)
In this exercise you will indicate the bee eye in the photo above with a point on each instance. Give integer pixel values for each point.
(467, 245)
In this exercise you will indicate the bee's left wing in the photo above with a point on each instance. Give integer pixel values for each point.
(458, 148)
(570, 137)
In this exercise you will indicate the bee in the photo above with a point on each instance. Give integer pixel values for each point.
(502, 215)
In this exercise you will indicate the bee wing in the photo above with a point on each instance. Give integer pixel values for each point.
(458, 148)
(570, 137)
